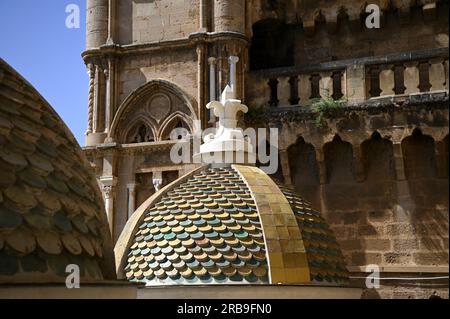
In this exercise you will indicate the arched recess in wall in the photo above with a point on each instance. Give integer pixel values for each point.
(268, 153)
(303, 164)
(428, 192)
(176, 120)
(272, 45)
(154, 103)
(378, 159)
(304, 170)
(339, 161)
(419, 156)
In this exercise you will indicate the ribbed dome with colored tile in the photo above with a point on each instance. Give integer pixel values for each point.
(51, 212)
(225, 223)
(204, 230)
(231, 225)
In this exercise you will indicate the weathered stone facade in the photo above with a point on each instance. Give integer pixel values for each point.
(377, 168)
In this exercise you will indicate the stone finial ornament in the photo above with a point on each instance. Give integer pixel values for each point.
(228, 145)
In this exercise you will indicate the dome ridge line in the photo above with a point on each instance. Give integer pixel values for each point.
(272, 203)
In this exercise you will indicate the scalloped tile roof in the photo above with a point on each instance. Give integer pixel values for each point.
(206, 230)
(325, 259)
(51, 212)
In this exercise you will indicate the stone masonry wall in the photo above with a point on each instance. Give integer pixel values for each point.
(384, 195)
(348, 41)
(156, 20)
(178, 67)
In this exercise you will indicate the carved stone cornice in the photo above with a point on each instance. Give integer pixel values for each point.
(128, 149)
(408, 104)
(143, 48)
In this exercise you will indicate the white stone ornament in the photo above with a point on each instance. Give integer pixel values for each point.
(228, 145)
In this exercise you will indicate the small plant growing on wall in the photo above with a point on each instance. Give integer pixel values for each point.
(325, 107)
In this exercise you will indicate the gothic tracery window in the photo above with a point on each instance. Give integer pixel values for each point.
(142, 134)
(152, 113)
(178, 128)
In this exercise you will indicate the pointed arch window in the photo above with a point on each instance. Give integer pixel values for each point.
(177, 127)
(141, 134)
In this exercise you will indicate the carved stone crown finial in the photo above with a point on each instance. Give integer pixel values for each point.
(228, 107)
(228, 145)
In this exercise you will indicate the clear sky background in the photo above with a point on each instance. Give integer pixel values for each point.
(35, 41)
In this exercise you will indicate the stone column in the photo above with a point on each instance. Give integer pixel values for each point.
(229, 15)
(201, 75)
(111, 22)
(96, 23)
(212, 78)
(107, 100)
(98, 100)
(204, 13)
(131, 198)
(212, 87)
(91, 73)
(233, 60)
(110, 93)
(109, 184)
(96, 107)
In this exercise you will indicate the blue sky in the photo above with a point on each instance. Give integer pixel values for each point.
(35, 41)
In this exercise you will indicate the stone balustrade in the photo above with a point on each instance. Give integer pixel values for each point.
(300, 89)
(356, 80)
(407, 77)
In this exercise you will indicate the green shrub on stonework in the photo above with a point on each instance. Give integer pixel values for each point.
(325, 106)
